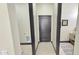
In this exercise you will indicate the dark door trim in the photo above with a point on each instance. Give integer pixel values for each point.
(32, 27)
(58, 28)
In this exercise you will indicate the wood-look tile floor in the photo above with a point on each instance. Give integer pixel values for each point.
(45, 48)
(66, 49)
(26, 49)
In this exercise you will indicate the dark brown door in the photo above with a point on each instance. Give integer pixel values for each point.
(45, 28)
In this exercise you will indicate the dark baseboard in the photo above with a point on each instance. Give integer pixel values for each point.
(64, 41)
(37, 46)
(53, 46)
(25, 43)
(72, 42)
(44, 41)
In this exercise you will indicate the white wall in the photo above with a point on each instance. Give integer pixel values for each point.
(69, 11)
(44, 8)
(76, 46)
(14, 28)
(22, 13)
(55, 9)
(6, 40)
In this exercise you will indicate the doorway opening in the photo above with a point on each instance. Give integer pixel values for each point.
(43, 34)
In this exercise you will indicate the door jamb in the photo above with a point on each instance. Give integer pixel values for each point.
(58, 28)
(32, 27)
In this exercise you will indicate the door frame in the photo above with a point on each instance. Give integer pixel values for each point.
(30, 5)
(32, 28)
(58, 28)
(39, 26)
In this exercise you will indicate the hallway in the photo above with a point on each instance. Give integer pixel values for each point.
(22, 26)
(45, 48)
